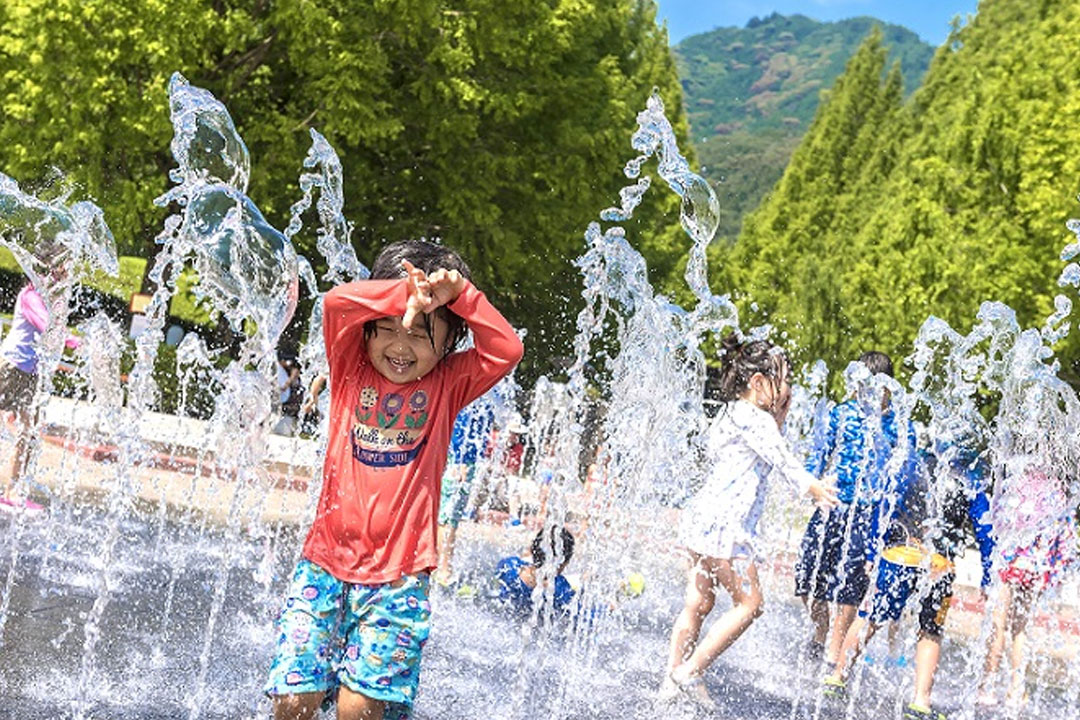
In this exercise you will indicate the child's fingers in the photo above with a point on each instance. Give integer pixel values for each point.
(410, 315)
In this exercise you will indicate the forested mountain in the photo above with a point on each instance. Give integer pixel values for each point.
(889, 212)
(751, 92)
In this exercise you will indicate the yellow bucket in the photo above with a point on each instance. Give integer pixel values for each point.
(914, 555)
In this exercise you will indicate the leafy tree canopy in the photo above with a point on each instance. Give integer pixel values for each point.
(500, 127)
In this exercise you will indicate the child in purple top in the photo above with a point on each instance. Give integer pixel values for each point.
(18, 380)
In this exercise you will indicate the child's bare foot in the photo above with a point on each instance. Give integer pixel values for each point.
(693, 687)
(668, 690)
(1016, 700)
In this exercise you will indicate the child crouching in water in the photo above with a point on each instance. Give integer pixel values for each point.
(720, 522)
(356, 614)
(517, 579)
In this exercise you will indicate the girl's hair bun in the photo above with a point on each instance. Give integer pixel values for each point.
(731, 344)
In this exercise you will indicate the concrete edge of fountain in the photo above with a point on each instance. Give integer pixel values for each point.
(176, 442)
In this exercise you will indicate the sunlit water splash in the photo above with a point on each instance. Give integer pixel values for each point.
(635, 349)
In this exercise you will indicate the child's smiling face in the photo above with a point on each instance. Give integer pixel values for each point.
(403, 355)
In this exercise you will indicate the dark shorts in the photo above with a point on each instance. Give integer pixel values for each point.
(896, 584)
(16, 390)
(832, 559)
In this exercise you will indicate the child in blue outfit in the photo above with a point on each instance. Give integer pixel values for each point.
(518, 581)
(856, 445)
(469, 441)
(913, 510)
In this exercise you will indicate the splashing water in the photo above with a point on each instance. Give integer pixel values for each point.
(246, 268)
(193, 583)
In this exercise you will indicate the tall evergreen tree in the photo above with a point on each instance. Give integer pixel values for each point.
(888, 214)
(792, 248)
(975, 208)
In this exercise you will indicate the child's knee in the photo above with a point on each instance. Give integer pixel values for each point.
(700, 604)
(301, 706)
(753, 604)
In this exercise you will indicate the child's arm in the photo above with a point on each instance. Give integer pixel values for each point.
(34, 310)
(497, 348)
(765, 440)
(347, 307)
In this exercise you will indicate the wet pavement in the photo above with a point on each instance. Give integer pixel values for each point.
(153, 656)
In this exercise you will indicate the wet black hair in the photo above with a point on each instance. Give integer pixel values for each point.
(877, 362)
(741, 359)
(560, 543)
(429, 257)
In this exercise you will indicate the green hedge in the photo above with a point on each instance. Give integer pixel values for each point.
(111, 294)
(191, 394)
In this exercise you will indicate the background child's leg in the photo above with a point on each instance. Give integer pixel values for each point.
(451, 509)
(747, 606)
(858, 634)
(1024, 600)
(932, 614)
(996, 644)
(699, 601)
(842, 621)
(927, 655)
(894, 640)
(19, 453)
(819, 615)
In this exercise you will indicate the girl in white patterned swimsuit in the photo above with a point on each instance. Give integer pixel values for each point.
(720, 522)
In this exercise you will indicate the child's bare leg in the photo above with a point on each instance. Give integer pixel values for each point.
(858, 635)
(819, 615)
(18, 458)
(844, 617)
(699, 601)
(894, 638)
(354, 706)
(996, 643)
(302, 706)
(927, 655)
(447, 536)
(1021, 611)
(747, 607)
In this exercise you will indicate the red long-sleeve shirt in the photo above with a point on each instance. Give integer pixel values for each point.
(376, 518)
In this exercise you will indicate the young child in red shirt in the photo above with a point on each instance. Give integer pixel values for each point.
(356, 614)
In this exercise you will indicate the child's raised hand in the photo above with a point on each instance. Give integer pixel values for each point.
(420, 299)
(445, 286)
(427, 292)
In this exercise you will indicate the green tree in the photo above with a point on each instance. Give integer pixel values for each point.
(888, 214)
(790, 247)
(500, 127)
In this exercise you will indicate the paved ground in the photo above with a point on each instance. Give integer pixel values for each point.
(119, 605)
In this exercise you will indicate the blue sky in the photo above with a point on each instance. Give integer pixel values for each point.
(928, 18)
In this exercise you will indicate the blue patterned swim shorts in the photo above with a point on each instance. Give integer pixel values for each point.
(367, 638)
